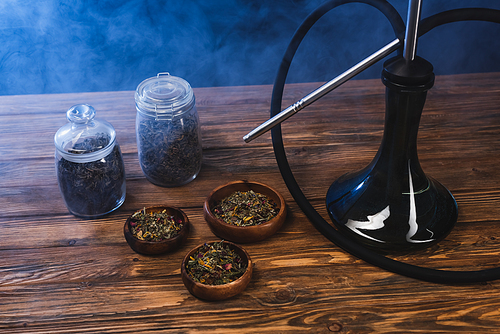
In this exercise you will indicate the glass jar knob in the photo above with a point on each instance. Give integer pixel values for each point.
(81, 114)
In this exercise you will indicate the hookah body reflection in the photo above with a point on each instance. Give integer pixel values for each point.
(391, 205)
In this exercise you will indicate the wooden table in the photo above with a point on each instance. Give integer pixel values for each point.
(62, 274)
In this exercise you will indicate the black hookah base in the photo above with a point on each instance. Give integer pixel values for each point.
(362, 209)
(391, 205)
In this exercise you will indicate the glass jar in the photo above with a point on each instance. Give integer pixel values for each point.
(89, 164)
(168, 131)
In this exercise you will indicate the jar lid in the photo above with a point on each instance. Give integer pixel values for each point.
(164, 96)
(84, 138)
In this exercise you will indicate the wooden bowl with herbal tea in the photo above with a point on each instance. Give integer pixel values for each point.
(216, 270)
(243, 211)
(156, 229)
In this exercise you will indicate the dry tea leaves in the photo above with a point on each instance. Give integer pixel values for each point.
(215, 264)
(170, 152)
(91, 144)
(95, 187)
(245, 209)
(154, 226)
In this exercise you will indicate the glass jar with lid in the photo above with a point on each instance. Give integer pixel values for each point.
(89, 164)
(168, 131)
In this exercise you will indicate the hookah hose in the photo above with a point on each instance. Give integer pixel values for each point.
(369, 256)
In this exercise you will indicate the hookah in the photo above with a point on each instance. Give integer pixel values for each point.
(391, 205)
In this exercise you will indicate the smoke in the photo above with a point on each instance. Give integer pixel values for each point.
(59, 46)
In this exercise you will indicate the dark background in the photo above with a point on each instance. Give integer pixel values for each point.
(51, 46)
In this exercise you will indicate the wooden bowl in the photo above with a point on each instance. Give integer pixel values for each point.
(158, 247)
(217, 292)
(243, 234)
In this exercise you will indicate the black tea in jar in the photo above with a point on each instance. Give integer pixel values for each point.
(168, 131)
(89, 164)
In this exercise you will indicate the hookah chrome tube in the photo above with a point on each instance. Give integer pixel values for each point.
(413, 18)
(410, 46)
(322, 91)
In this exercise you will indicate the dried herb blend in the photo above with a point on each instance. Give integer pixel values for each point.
(96, 187)
(215, 264)
(246, 208)
(155, 226)
(170, 152)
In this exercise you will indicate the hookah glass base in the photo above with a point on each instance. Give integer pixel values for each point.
(391, 205)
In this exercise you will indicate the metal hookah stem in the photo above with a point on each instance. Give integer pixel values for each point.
(413, 18)
(410, 46)
(322, 91)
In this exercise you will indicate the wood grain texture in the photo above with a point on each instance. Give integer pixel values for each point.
(63, 274)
